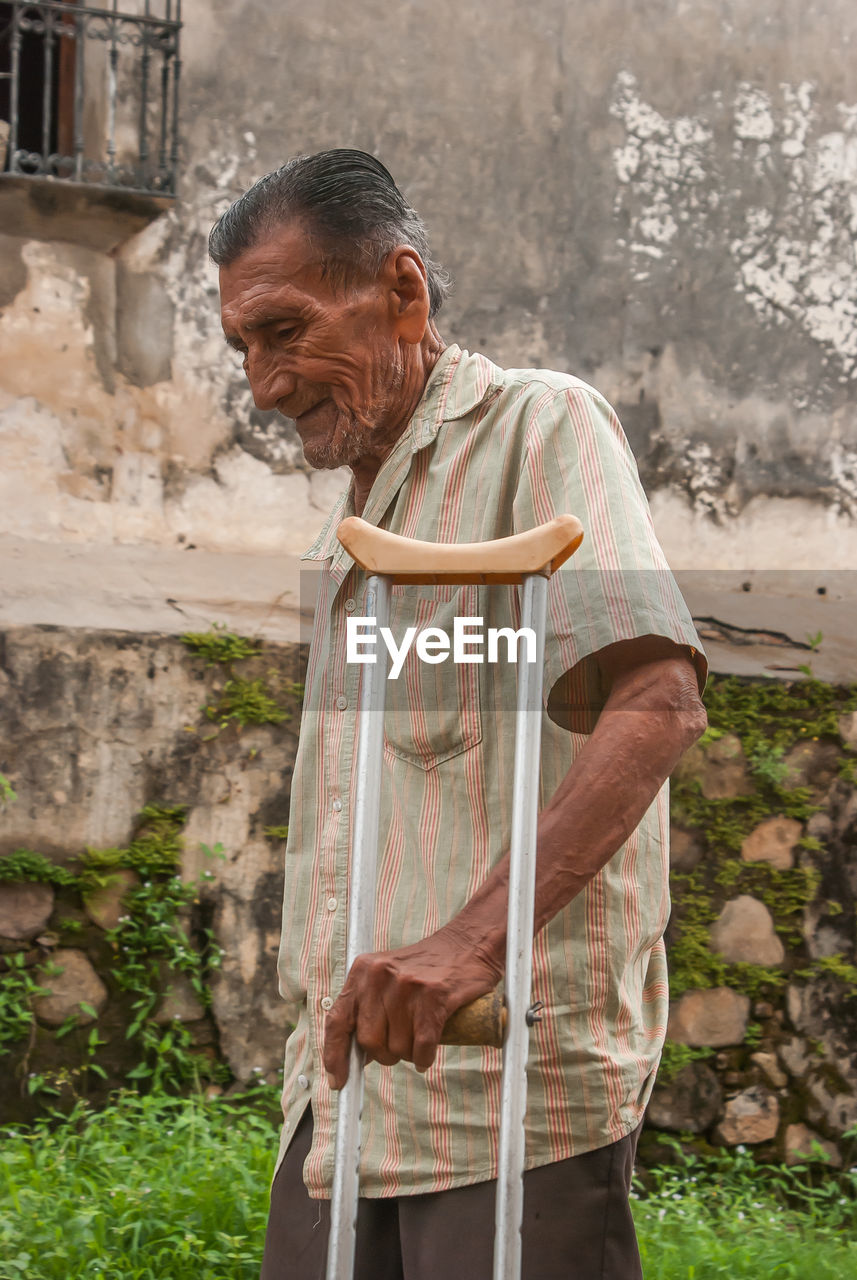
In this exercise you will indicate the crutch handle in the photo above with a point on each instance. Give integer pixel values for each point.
(483, 1021)
(407, 560)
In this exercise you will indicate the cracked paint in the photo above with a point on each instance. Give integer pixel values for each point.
(669, 174)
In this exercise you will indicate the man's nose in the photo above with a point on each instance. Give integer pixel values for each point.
(269, 380)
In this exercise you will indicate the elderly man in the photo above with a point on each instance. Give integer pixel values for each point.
(330, 295)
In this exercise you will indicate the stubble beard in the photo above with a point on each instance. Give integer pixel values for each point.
(361, 433)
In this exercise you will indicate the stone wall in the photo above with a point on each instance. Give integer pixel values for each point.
(97, 726)
(762, 1038)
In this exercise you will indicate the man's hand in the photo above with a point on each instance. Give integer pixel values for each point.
(396, 1002)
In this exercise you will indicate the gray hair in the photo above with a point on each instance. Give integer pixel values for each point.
(348, 200)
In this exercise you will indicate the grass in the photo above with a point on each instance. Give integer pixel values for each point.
(149, 1188)
(162, 1188)
(724, 1215)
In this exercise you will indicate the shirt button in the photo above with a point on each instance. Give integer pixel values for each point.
(331, 904)
(326, 1002)
(341, 702)
(350, 605)
(336, 806)
(302, 1081)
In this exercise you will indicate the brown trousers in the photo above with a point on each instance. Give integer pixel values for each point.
(577, 1224)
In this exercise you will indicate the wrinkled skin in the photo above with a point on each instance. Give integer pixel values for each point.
(349, 366)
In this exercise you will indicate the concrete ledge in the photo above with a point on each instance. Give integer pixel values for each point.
(81, 213)
(752, 624)
(151, 589)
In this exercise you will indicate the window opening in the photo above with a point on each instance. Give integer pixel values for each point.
(90, 94)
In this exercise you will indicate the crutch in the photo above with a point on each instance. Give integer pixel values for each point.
(527, 559)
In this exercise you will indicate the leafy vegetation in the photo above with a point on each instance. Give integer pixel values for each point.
(725, 1216)
(23, 864)
(676, 1056)
(247, 702)
(157, 1186)
(241, 700)
(16, 994)
(218, 645)
(151, 943)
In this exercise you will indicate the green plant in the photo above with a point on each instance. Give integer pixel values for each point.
(675, 1057)
(151, 939)
(838, 967)
(277, 833)
(147, 1188)
(247, 702)
(768, 763)
(218, 645)
(8, 795)
(16, 996)
(25, 865)
(727, 1215)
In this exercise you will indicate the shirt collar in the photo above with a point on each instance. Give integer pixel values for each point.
(456, 385)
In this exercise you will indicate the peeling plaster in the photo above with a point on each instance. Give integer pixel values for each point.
(793, 260)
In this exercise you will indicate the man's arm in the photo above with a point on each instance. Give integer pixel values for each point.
(398, 1001)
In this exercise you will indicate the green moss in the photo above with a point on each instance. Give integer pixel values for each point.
(675, 1057)
(838, 967)
(774, 713)
(693, 964)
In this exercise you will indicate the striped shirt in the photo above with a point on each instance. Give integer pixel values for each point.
(488, 452)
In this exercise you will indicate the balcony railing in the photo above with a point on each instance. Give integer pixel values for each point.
(91, 94)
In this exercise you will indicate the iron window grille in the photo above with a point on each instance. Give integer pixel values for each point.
(90, 95)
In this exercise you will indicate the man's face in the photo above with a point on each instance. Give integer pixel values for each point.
(328, 358)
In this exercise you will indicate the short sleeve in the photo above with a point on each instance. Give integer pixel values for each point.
(617, 586)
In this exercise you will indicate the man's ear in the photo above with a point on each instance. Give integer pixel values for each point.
(408, 294)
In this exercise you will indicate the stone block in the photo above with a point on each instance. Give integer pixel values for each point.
(848, 729)
(744, 931)
(773, 841)
(685, 849)
(799, 1142)
(794, 1055)
(104, 906)
(689, 1103)
(70, 979)
(812, 764)
(720, 767)
(179, 1001)
(751, 1116)
(717, 1016)
(25, 909)
(770, 1069)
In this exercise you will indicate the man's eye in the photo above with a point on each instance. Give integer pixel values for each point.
(285, 334)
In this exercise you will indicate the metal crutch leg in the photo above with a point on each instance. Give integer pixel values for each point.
(529, 559)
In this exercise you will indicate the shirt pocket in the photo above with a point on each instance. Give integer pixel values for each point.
(433, 709)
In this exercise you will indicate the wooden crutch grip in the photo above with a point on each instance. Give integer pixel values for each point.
(483, 1021)
(509, 560)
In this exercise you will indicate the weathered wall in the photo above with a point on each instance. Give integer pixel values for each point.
(658, 196)
(96, 725)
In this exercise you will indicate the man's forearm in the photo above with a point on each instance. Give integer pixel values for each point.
(648, 722)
